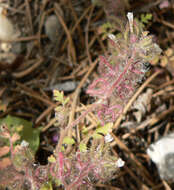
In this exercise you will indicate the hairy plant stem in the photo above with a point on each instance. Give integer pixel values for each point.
(117, 82)
(64, 132)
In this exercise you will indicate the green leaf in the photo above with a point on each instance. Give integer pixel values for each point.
(26, 132)
(68, 141)
(97, 136)
(149, 16)
(105, 129)
(47, 186)
(102, 131)
(66, 101)
(107, 26)
(51, 159)
(82, 147)
(84, 129)
(59, 96)
(145, 18)
(57, 182)
(112, 62)
(62, 148)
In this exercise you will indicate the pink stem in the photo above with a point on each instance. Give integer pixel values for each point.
(61, 169)
(103, 59)
(121, 76)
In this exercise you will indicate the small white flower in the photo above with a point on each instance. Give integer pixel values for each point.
(108, 138)
(120, 163)
(130, 18)
(24, 143)
(112, 37)
(98, 148)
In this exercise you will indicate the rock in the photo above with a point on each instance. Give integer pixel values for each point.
(52, 28)
(67, 86)
(162, 154)
(7, 31)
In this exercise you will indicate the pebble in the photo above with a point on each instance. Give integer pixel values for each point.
(162, 154)
(52, 27)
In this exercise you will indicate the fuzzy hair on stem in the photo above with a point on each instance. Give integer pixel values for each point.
(120, 72)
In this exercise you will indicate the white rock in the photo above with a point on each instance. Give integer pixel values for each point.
(7, 31)
(64, 86)
(162, 154)
(6, 47)
(52, 28)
